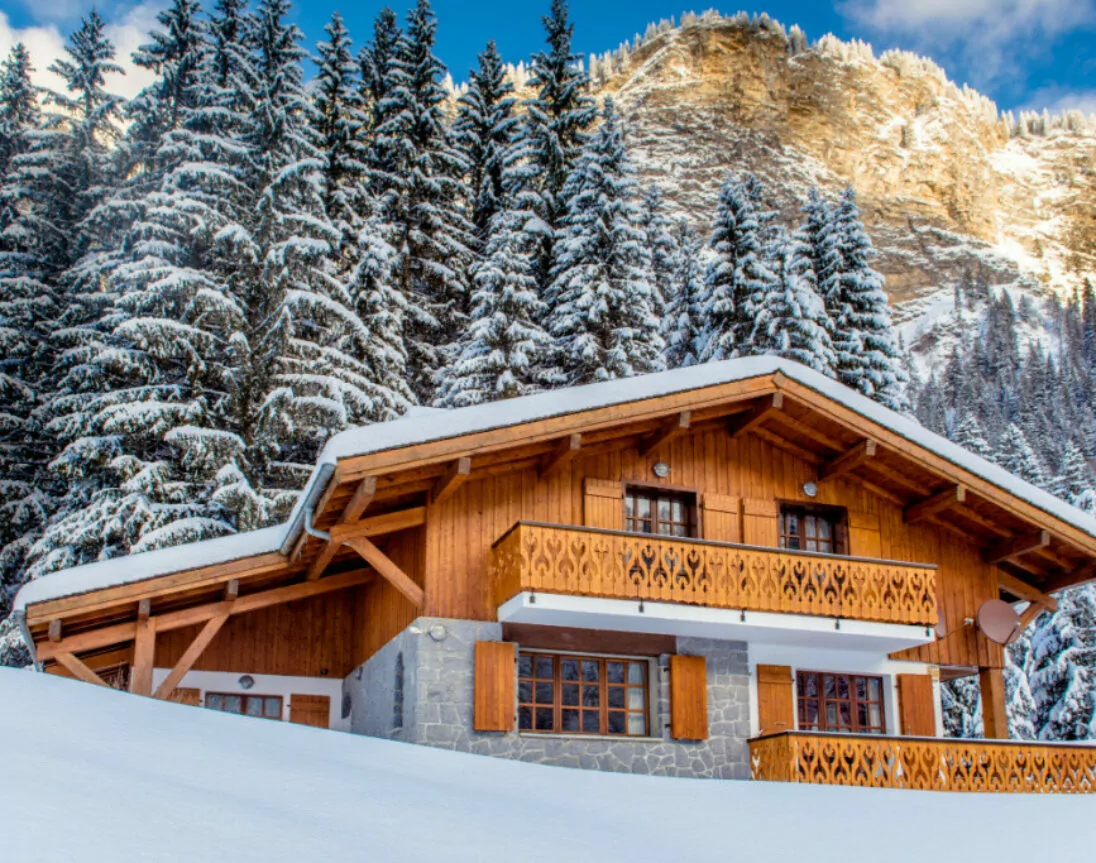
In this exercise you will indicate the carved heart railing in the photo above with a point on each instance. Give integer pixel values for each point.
(617, 565)
(924, 763)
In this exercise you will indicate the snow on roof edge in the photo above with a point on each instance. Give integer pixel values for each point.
(421, 427)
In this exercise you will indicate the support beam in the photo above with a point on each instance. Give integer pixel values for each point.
(787, 445)
(899, 478)
(994, 715)
(1017, 546)
(751, 419)
(376, 525)
(388, 570)
(985, 523)
(847, 461)
(55, 632)
(452, 479)
(190, 655)
(800, 427)
(77, 668)
(1023, 590)
(934, 505)
(563, 454)
(363, 496)
(673, 428)
(144, 608)
(877, 490)
(144, 656)
(232, 589)
(1083, 574)
(322, 559)
(1029, 614)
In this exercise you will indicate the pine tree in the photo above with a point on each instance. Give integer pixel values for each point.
(602, 323)
(484, 131)
(817, 232)
(683, 325)
(1075, 477)
(499, 355)
(660, 240)
(961, 704)
(737, 278)
(791, 321)
(1062, 668)
(867, 356)
(968, 434)
(421, 202)
(19, 109)
(1014, 454)
(376, 61)
(551, 138)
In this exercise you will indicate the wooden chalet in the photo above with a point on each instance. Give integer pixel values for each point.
(733, 570)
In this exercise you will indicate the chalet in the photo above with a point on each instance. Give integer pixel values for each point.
(741, 569)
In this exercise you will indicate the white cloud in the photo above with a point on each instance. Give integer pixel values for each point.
(1058, 99)
(46, 43)
(985, 36)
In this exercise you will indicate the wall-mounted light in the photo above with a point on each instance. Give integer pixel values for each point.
(661, 469)
(810, 489)
(246, 681)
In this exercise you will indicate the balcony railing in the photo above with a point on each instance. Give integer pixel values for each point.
(617, 565)
(924, 763)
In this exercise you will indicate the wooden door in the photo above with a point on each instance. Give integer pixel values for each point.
(916, 706)
(314, 710)
(775, 705)
(495, 686)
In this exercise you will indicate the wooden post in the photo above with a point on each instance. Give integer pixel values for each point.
(994, 715)
(144, 651)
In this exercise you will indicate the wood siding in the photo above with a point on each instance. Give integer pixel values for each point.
(460, 532)
(688, 697)
(916, 706)
(721, 517)
(775, 704)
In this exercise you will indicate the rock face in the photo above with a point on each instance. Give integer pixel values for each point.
(952, 191)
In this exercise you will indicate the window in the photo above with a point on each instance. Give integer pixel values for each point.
(840, 702)
(654, 510)
(582, 695)
(806, 529)
(265, 706)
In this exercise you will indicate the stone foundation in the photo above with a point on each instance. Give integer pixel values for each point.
(419, 688)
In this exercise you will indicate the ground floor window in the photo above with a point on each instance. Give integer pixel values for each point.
(583, 694)
(265, 706)
(850, 703)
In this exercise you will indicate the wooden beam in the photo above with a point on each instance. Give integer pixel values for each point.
(452, 479)
(1077, 576)
(55, 632)
(144, 608)
(994, 716)
(1023, 590)
(232, 589)
(847, 461)
(190, 655)
(800, 427)
(787, 445)
(319, 563)
(899, 478)
(877, 489)
(749, 420)
(934, 505)
(983, 522)
(363, 496)
(1029, 614)
(564, 453)
(77, 668)
(144, 656)
(1017, 546)
(953, 529)
(671, 429)
(388, 570)
(379, 525)
(122, 632)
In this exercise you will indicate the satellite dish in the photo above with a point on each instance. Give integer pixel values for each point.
(999, 621)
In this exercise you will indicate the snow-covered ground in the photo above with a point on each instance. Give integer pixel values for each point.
(96, 775)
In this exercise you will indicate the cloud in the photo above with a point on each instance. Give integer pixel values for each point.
(1059, 99)
(984, 36)
(46, 43)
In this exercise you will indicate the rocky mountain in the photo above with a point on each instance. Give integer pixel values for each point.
(953, 190)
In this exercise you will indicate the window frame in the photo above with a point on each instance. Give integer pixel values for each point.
(853, 702)
(245, 696)
(836, 516)
(603, 709)
(686, 496)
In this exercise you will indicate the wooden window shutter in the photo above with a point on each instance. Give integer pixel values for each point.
(494, 683)
(688, 697)
(774, 699)
(916, 706)
(760, 522)
(603, 503)
(722, 521)
(865, 539)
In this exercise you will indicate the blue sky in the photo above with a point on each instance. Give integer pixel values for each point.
(1022, 53)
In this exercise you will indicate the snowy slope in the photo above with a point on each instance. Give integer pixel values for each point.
(103, 776)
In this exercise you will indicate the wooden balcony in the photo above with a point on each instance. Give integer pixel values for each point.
(611, 564)
(924, 763)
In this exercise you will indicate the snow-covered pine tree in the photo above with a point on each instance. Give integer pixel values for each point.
(961, 704)
(1062, 668)
(868, 359)
(1014, 454)
(660, 240)
(423, 193)
(484, 131)
(737, 278)
(968, 434)
(602, 321)
(499, 355)
(684, 321)
(19, 109)
(551, 137)
(1075, 476)
(375, 61)
(1019, 702)
(791, 320)
(817, 232)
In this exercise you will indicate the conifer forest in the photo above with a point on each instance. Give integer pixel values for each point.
(200, 286)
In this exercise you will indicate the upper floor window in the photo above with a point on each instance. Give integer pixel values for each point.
(850, 703)
(812, 529)
(655, 510)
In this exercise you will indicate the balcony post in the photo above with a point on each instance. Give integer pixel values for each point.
(994, 716)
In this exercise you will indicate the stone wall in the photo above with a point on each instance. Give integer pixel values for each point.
(436, 684)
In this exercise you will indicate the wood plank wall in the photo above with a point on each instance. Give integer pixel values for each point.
(384, 611)
(460, 531)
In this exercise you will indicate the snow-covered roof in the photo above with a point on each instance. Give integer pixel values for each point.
(425, 425)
